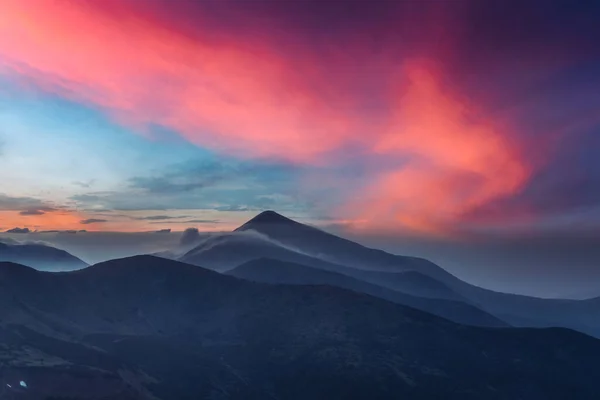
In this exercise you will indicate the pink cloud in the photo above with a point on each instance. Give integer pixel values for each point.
(246, 97)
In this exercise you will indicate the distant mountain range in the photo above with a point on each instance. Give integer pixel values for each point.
(273, 236)
(39, 256)
(151, 328)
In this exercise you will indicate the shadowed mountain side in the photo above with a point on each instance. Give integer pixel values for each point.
(192, 333)
(409, 282)
(40, 257)
(523, 311)
(279, 272)
(225, 252)
(58, 369)
(514, 309)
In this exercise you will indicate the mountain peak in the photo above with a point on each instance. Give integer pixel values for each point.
(267, 217)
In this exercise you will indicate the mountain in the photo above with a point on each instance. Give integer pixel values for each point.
(39, 256)
(323, 245)
(226, 252)
(409, 282)
(517, 310)
(279, 272)
(151, 328)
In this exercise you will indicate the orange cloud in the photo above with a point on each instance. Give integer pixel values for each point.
(59, 220)
(67, 220)
(458, 160)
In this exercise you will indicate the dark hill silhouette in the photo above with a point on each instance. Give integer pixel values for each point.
(145, 327)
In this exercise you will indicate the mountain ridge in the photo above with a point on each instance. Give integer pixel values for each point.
(518, 310)
(274, 271)
(174, 331)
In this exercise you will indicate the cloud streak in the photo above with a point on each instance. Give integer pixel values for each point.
(32, 212)
(92, 221)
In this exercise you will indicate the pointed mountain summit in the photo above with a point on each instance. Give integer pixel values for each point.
(316, 242)
(268, 217)
(283, 229)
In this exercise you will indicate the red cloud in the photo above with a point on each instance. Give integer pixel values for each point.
(458, 160)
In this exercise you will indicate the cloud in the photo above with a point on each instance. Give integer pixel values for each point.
(453, 164)
(569, 184)
(195, 175)
(32, 212)
(89, 197)
(25, 204)
(86, 184)
(59, 218)
(92, 221)
(159, 217)
(296, 107)
(434, 128)
(223, 185)
(191, 221)
(9, 241)
(169, 185)
(190, 236)
(234, 207)
(66, 231)
(27, 241)
(18, 230)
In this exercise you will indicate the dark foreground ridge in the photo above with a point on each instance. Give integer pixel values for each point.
(151, 328)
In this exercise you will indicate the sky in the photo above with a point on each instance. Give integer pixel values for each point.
(419, 126)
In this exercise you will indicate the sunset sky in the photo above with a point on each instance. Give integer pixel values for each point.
(436, 118)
